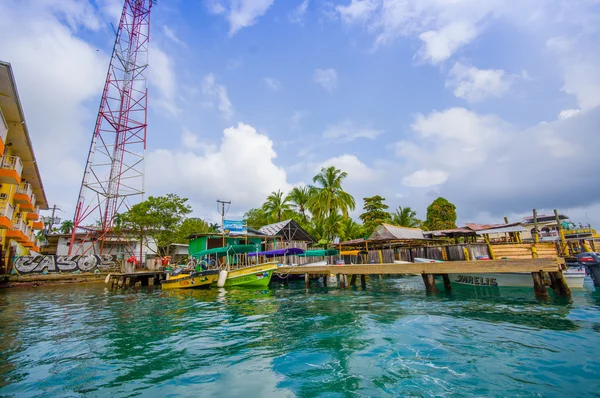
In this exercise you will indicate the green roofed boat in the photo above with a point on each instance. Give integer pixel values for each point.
(235, 266)
(320, 253)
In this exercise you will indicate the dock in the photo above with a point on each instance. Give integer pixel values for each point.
(538, 268)
(134, 280)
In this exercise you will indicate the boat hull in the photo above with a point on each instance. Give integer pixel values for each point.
(258, 275)
(517, 279)
(190, 281)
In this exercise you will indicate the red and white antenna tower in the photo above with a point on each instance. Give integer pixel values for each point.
(115, 165)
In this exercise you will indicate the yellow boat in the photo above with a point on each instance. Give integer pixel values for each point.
(257, 275)
(193, 280)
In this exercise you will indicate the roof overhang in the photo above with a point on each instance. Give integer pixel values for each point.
(18, 134)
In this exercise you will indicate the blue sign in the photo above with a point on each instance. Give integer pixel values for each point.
(235, 227)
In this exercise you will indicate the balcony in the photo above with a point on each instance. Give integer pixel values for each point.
(33, 215)
(30, 237)
(24, 197)
(6, 214)
(3, 131)
(38, 225)
(18, 231)
(10, 170)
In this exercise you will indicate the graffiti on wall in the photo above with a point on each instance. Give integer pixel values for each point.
(55, 263)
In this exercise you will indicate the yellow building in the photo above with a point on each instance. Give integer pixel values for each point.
(21, 191)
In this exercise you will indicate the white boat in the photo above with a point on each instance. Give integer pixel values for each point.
(574, 277)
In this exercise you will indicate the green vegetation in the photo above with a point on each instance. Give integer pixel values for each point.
(374, 213)
(158, 217)
(275, 206)
(66, 227)
(406, 217)
(441, 214)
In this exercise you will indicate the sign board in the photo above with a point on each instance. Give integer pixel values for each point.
(235, 227)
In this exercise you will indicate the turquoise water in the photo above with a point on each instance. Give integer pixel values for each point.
(390, 340)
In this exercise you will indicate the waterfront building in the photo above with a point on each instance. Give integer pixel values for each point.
(22, 193)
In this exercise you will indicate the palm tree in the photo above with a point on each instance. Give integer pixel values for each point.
(350, 229)
(66, 227)
(299, 198)
(276, 205)
(329, 197)
(405, 217)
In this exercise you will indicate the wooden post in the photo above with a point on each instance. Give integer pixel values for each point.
(325, 277)
(564, 248)
(444, 253)
(538, 285)
(363, 282)
(126, 283)
(559, 284)
(306, 281)
(353, 280)
(534, 253)
(447, 285)
(536, 237)
(429, 281)
(151, 283)
(342, 281)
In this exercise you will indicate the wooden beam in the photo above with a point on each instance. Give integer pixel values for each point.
(450, 267)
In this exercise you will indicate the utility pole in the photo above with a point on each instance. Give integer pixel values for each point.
(52, 220)
(222, 212)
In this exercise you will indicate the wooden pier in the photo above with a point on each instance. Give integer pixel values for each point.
(537, 267)
(135, 280)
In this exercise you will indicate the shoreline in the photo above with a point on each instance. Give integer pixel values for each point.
(34, 280)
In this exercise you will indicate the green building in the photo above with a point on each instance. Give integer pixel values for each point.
(205, 241)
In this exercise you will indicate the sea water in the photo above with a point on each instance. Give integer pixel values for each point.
(392, 339)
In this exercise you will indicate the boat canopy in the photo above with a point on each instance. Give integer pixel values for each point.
(279, 252)
(320, 253)
(226, 251)
(353, 252)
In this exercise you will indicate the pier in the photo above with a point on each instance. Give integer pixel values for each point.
(135, 280)
(539, 269)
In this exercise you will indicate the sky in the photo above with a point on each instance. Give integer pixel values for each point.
(493, 105)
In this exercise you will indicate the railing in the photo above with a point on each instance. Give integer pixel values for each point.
(12, 163)
(6, 210)
(25, 188)
(33, 199)
(3, 127)
(19, 225)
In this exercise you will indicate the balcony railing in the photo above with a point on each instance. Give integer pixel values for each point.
(3, 127)
(26, 189)
(20, 225)
(33, 199)
(6, 210)
(12, 163)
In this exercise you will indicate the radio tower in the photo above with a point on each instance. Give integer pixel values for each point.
(114, 171)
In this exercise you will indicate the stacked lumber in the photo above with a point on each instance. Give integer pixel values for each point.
(523, 251)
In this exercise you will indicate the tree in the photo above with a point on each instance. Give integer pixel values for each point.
(256, 218)
(441, 214)
(158, 217)
(300, 198)
(350, 229)
(190, 226)
(214, 227)
(406, 217)
(327, 195)
(275, 206)
(66, 227)
(374, 213)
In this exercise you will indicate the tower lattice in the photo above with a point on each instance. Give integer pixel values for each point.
(114, 171)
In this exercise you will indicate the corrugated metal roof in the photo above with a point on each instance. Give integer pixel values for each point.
(447, 232)
(273, 229)
(514, 228)
(393, 232)
(288, 229)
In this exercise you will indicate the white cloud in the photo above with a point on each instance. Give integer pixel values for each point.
(443, 26)
(358, 172)
(425, 178)
(357, 10)
(567, 113)
(162, 76)
(272, 83)
(486, 164)
(191, 141)
(218, 93)
(240, 169)
(171, 35)
(475, 84)
(53, 96)
(327, 78)
(239, 13)
(349, 131)
(296, 118)
(297, 14)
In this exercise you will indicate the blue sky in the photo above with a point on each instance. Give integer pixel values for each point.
(493, 106)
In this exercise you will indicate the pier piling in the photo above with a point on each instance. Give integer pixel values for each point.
(429, 281)
(538, 285)
(447, 284)
(363, 282)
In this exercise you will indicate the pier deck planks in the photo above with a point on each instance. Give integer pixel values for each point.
(450, 267)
